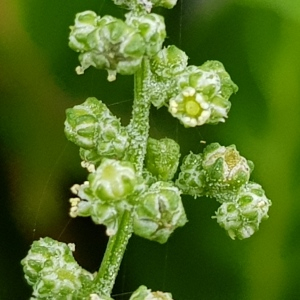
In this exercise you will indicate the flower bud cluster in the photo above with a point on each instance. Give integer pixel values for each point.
(242, 216)
(96, 130)
(112, 44)
(103, 196)
(194, 95)
(52, 271)
(221, 172)
(143, 293)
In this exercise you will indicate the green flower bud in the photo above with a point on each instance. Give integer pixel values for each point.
(92, 126)
(226, 171)
(112, 45)
(143, 293)
(81, 125)
(101, 212)
(158, 212)
(192, 178)
(151, 27)
(241, 218)
(165, 65)
(113, 180)
(162, 158)
(203, 96)
(168, 62)
(52, 271)
(85, 23)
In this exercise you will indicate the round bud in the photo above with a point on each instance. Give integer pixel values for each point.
(85, 23)
(226, 170)
(113, 180)
(143, 293)
(168, 62)
(241, 217)
(165, 65)
(151, 27)
(192, 178)
(81, 125)
(158, 212)
(162, 158)
(93, 127)
(53, 272)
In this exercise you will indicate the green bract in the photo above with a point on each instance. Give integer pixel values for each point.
(226, 171)
(151, 27)
(52, 271)
(143, 293)
(158, 212)
(162, 158)
(203, 95)
(92, 127)
(242, 216)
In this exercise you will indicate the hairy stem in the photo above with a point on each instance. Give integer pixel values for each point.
(138, 130)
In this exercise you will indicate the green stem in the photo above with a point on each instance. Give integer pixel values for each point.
(112, 259)
(138, 130)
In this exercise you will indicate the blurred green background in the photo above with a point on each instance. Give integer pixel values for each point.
(258, 41)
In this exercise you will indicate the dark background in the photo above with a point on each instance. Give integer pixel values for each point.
(258, 41)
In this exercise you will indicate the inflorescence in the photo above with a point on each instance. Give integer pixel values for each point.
(195, 95)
